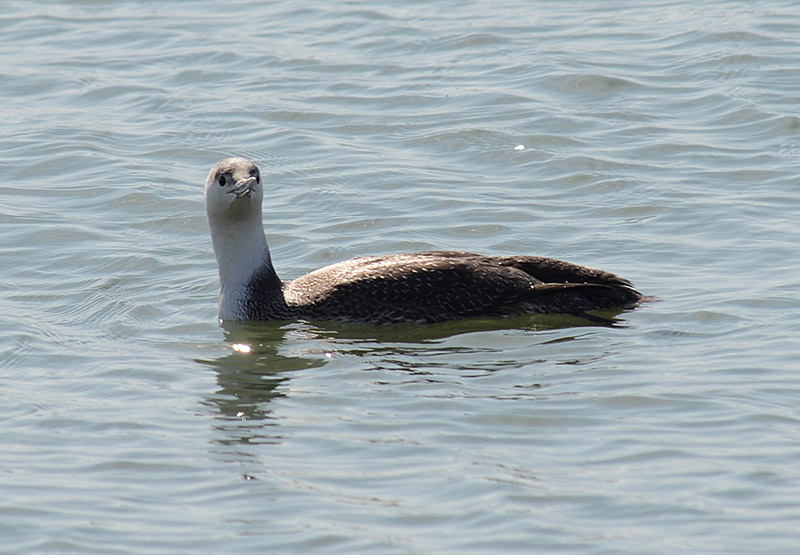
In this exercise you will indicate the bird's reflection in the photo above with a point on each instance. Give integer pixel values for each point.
(263, 355)
(426, 333)
(250, 376)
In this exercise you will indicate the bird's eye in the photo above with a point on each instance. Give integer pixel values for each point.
(222, 180)
(258, 178)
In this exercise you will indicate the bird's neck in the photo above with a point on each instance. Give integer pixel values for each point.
(242, 251)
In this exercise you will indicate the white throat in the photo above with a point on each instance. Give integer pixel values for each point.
(241, 249)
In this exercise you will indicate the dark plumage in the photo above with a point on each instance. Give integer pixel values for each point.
(435, 286)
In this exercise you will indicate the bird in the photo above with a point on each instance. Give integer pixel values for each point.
(413, 287)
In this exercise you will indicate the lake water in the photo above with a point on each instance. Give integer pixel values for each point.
(658, 140)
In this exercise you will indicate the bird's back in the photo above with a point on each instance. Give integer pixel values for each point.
(435, 286)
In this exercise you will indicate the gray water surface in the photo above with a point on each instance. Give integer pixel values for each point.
(657, 140)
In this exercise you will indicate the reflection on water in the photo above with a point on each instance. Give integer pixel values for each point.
(263, 356)
(426, 333)
(248, 380)
(262, 353)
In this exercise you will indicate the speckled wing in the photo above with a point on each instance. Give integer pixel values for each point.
(550, 270)
(440, 285)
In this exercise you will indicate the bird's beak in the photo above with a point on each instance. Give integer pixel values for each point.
(244, 187)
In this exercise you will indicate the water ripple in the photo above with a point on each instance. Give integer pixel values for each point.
(657, 140)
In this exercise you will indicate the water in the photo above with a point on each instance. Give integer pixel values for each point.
(661, 141)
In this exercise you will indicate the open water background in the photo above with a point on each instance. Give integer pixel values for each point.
(661, 141)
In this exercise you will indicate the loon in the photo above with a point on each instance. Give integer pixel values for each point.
(422, 287)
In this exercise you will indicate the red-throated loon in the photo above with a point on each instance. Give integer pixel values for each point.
(429, 286)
